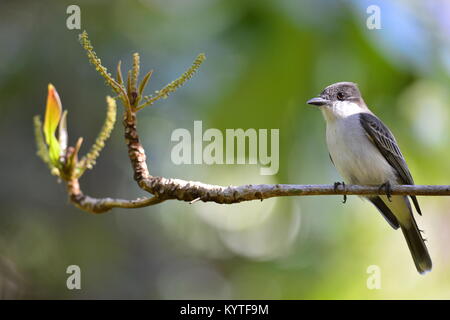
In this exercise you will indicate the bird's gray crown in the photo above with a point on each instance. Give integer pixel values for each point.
(341, 91)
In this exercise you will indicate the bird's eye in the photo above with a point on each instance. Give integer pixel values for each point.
(340, 96)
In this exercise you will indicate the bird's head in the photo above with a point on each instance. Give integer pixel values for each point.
(340, 100)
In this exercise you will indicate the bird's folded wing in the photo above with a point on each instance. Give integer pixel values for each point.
(383, 139)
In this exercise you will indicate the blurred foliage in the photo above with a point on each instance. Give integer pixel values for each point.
(265, 59)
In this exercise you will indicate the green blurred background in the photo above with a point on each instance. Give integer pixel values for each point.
(264, 60)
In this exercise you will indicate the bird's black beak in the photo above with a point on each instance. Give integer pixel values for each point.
(318, 101)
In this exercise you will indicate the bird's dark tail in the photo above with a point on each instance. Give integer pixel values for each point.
(417, 247)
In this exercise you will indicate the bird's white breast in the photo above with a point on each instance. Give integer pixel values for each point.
(356, 158)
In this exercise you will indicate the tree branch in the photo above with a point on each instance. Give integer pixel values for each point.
(102, 205)
(164, 189)
(192, 191)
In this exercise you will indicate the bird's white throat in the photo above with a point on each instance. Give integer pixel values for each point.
(340, 109)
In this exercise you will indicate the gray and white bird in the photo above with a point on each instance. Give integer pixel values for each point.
(365, 152)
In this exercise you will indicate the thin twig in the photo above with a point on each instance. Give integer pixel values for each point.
(102, 205)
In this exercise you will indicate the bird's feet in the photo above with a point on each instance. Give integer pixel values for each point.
(336, 185)
(387, 188)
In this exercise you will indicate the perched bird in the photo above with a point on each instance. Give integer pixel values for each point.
(365, 152)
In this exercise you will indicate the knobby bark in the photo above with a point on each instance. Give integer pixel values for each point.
(164, 189)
